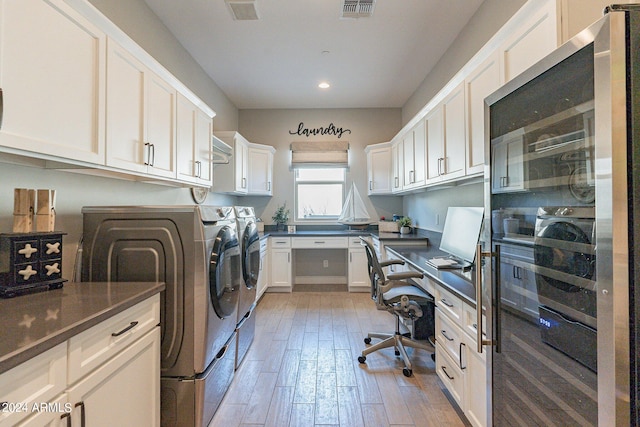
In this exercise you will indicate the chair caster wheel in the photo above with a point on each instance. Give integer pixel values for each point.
(407, 372)
(367, 340)
(397, 352)
(433, 357)
(362, 359)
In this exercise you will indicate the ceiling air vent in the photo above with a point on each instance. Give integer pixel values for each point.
(243, 10)
(357, 8)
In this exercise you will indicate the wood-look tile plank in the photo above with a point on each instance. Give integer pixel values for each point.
(288, 374)
(345, 374)
(394, 404)
(228, 415)
(302, 415)
(326, 399)
(280, 408)
(374, 415)
(306, 384)
(326, 356)
(349, 409)
(260, 400)
(244, 379)
(309, 346)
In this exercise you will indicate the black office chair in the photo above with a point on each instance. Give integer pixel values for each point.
(399, 297)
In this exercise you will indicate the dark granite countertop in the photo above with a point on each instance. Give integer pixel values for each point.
(460, 282)
(37, 322)
(414, 237)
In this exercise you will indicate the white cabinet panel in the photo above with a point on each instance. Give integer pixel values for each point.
(379, 168)
(193, 143)
(396, 166)
(358, 270)
(52, 74)
(455, 139)
(160, 135)
(260, 170)
(414, 148)
(483, 81)
(532, 41)
(232, 177)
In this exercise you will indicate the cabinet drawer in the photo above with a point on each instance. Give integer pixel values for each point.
(264, 244)
(280, 242)
(450, 375)
(319, 242)
(470, 322)
(355, 242)
(96, 345)
(448, 336)
(450, 304)
(39, 379)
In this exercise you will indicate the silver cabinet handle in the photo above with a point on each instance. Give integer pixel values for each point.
(397, 182)
(148, 147)
(244, 182)
(268, 185)
(460, 355)
(478, 325)
(1, 107)
(289, 257)
(370, 185)
(319, 242)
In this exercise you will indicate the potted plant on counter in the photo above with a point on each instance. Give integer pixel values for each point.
(404, 224)
(281, 217)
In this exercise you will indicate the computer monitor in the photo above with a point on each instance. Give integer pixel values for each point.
(461, 232)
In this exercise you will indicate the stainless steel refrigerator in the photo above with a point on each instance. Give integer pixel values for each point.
(560, 242)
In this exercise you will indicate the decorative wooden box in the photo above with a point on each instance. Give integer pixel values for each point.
(388, 227)
(30, 262)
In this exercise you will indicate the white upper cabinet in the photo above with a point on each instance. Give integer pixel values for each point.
(435, 142)
(193, 140)
(52, 72)
(414, 147)
(532, 41)
(397, 169)
(260, 173)
(379, 163)
(482, 81)
(455, 135)
(140, 116)
(250, 171)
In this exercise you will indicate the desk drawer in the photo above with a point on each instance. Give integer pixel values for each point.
(448, 336)
(355, 242)
(450, 374)
(450, 304)
(280, 242)
(96, 345)
(319, 242)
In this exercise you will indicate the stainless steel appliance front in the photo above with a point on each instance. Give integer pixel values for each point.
(554, 135)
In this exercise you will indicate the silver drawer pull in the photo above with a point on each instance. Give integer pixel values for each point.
(319, 242)
(447, 303)
(444, 334)
(128, 328)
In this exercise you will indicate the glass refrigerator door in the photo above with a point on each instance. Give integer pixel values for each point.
(542, 198)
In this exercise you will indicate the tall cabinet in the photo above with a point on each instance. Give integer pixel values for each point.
(379, 165)
(260, 169)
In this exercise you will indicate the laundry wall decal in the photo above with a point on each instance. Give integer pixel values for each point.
(331, 129)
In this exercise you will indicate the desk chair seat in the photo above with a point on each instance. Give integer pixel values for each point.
(396, 295)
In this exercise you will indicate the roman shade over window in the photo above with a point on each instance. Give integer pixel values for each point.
(320, 154)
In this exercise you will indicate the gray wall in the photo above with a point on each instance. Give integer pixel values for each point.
(271, 127)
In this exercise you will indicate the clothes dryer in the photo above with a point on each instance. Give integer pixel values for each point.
(250, 248)
(196, 252)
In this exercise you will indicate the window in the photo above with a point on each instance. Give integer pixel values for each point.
(319, 193)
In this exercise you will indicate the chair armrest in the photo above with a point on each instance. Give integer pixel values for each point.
(391, 262)
(405, 275)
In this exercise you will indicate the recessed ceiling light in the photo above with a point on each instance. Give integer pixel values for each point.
(324, 85)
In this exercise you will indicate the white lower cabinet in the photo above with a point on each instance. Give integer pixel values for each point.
(264, 276)
(118, 385)
(280, 265)
(358, 267)
(458, 364)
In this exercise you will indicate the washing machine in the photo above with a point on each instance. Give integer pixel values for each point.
(250, 249)
(195, 250)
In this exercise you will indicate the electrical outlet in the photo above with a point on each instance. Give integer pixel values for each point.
(437, 219)
(325, 263)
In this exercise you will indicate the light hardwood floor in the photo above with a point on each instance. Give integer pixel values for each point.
(302, 370)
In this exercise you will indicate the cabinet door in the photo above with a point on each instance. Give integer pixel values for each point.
(397, 166)
(125, 391)
(281, 269)
(379, 170)
(260, 170)
(419, 154)
(160, 120)
(193, 143)
(455, 140)
(483, 81)
(358, 270)
(506, 166)
(435, 144)
(408, 157)
(50, 418)
(241, 154)
(52, 74)
(125, 110)
(476, 384)
(531, 42)
(203, 147)
(263, 276)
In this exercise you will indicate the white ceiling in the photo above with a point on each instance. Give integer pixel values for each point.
(278, 60)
